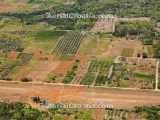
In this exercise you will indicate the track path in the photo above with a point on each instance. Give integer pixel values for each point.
(59, 93)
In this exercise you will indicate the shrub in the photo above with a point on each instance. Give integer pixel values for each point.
(133, 28)
(26, 79)
(51, 78)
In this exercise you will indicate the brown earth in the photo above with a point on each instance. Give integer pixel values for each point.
(63, 67)
(98, 114)
(116, 47)
(103, 25)
(40, 71)
(59, 93)
(4, 7)
(82, 69)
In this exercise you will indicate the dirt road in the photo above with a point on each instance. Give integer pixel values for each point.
(58, 93)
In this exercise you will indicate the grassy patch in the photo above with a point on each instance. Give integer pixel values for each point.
(88, 79)
(71, 74)
(91, 45)
(48, 35)
(144, 76)
(124, 83)
(127, 52)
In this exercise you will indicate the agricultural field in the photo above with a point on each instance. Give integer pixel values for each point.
(138, 113)
(135, 73)
(57, 56)
(45, 52)
(70, 76)
(97, 73)
(69, 44)
(21, 55)
(24, 110)
(124, 47)
(100, 41)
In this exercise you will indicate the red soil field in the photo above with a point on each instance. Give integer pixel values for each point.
(59, 93)
(5, 7)
(63, 67)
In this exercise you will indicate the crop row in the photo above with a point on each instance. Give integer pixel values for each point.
(7, 67)
(69, 44)
(98, 70)
(70, 76)
(9, 45)
(116, 114)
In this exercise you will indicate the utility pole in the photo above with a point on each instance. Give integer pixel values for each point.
(157, 76)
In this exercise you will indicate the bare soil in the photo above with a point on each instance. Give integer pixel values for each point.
(56, 93)
(118, 45)
(41, 71)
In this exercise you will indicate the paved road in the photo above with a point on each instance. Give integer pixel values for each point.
(58, 93)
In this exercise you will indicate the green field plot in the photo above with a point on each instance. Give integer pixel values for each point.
(144, 76)
(10, 45)
(69, 44)
(103, 72)
(45, 40)
(107, 73)
(128, 76)
(94, 44)
(6, 69)
(69, 77)
(45, 35)
(98, 71)
(88, 79)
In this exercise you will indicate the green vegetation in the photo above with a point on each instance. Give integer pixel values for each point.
(127, 52)
(95, 44)
(6, 69)
(133, 28)
(75, 114)
(10, 45)
(122, 8)
(157, 50)
(149, 113)
(138, 113)
(51, 78)
(88, 79)
(47, 35)
(105, 73)
(143, 30)
(71, 74)
(25, 58)
(26, 79)
(144, 76)
(98, 70)
(125, 75)
(69, 44)
(21, 111)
